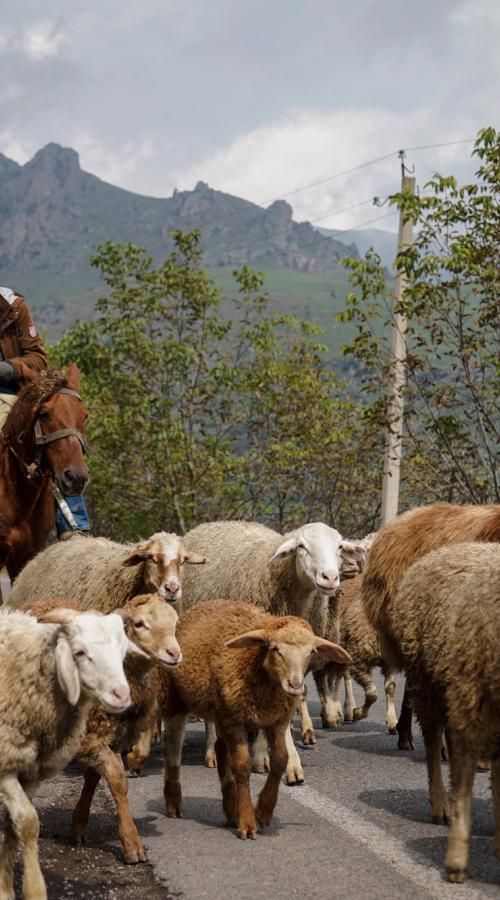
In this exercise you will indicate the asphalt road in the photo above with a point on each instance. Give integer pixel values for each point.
(358, 828)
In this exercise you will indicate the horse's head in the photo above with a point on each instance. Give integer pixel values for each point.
(45, 428)
(59, 430)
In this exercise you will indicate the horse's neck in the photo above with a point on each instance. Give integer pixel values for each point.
(20, 494)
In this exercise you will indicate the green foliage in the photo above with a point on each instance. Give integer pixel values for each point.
(197, 415)
(452, 306)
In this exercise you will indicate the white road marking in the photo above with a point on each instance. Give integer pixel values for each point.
(415, 868)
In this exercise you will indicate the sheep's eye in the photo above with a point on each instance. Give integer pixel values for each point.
(277, 650)
(302, 547)
(141, 624)
(44, 415)
(81, 654)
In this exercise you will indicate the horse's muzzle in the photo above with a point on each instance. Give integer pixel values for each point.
(73, 480)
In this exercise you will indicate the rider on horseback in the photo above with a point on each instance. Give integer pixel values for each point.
(21, 348)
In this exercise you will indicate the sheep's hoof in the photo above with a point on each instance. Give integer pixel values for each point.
(358, 713)
(309, 737)
(210, 759)
(247, 831)
(264, 817)
(294, 777)
(133, 773)
(405, 744)
(483, 765)
(392, 729)
(456, 876)
(330, 723)
(78, 840)
(132, 857)
(441, 820)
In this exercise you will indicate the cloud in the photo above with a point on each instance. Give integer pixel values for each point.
(271, 162)
(116, 165)
(42, 41)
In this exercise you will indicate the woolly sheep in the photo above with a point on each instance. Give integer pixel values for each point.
(50, 675)
(447, 631)
(280, 573)
(150, 625)
(242, 669)
(358, 637)
(400, 543)
(102, 574)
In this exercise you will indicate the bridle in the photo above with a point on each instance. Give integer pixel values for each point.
(41, 440)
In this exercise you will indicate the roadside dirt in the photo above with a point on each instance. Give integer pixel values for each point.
(95, 871)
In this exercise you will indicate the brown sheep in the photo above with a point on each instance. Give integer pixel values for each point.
(400, 543)
(150, 625)
(448, 635)
(243, 669)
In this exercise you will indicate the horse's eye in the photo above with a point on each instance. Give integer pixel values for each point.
(44, 415)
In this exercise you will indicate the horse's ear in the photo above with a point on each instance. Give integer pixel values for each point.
(73, 376)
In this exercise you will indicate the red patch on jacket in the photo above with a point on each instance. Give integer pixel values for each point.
(32, 331)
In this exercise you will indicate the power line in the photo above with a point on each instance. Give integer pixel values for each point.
(445, 144)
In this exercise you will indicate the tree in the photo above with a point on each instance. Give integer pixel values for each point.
(452, 422)
(199, 411)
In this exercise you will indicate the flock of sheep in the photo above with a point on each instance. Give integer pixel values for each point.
(224, 624)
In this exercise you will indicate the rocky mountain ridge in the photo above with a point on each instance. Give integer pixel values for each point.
(53, 215)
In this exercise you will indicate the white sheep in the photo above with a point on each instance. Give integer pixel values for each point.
(50, 675)
(282, 574)
(103, 574)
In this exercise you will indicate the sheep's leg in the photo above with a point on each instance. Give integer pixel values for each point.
(495, 790)
(174, 739)
(391, 718)
(140, 751)
(331, 708)
(110, 766)
(365, 680)
(278, 757)
(260, 753)
(294, 770)
(22, 828)
(239, 755)
(404, 726)
(308, 735)
(82, 809)
(433, 739)
(8, 860)
(227, 782)
(462, 768)
(210, 754)
(350, 700)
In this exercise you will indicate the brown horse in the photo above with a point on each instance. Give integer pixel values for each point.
(41, 442)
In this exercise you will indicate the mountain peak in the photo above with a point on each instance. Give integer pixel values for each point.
(53, 156)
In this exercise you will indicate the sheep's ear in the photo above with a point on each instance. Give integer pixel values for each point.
(194, 559)
(138, 556)
(287, 547)
(249, 639)
(67, 671)
(133, 648)
(353, 558)
(332, 651)
(60, 616)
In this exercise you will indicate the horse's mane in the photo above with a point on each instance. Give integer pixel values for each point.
(29, 400)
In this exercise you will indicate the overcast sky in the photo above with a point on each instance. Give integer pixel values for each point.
(257, 97)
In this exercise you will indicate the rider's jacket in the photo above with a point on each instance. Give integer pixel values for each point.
(20, 342)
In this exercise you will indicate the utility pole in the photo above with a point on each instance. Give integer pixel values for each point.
(393, 441)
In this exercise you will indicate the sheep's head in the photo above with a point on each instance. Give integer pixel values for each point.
(316, 548)
(162, 558)
(288, 648)
(353, 555)
(150, 626)
(90, 649)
